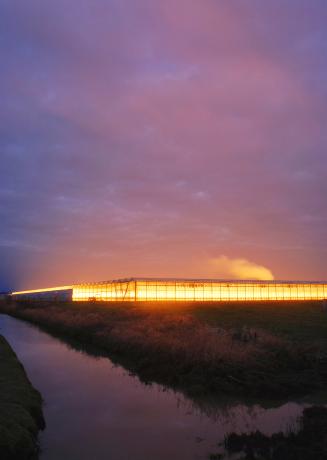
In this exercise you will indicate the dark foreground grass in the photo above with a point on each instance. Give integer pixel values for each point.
(20, 409)
(308, 442)
(265, 350)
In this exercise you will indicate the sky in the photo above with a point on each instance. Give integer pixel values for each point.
(178, 138)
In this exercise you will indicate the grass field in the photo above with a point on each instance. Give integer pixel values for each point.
(20, 409)
(297, 321)
(275, 349)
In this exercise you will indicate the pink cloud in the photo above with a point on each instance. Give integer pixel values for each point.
(156, 136)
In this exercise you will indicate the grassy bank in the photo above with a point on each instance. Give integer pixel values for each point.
(20, 409)
(308, 441)
(273, 350)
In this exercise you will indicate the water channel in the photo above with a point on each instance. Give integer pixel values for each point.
(95, 410)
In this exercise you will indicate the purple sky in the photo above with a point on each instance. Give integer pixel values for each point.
(162, 138)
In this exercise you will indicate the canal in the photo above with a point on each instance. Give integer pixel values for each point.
(97, 410)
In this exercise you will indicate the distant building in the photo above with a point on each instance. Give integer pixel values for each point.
(3, 295)
(174, 289)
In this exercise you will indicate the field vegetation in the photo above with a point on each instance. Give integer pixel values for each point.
(269, 350)
(20, 409)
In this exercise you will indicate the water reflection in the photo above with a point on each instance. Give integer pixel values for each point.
(96, 410)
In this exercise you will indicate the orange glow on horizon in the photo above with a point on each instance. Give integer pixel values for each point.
(33, 291)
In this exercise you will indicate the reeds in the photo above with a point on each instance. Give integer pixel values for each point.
(180, 350)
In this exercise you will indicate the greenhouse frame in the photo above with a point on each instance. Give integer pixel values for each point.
(176, 289)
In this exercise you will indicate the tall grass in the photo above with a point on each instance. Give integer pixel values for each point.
(180, 350)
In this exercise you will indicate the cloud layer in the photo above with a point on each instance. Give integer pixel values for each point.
(148, 138)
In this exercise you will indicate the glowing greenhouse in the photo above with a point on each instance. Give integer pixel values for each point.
(171, 289)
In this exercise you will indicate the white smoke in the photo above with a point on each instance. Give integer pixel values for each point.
(225, 267)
